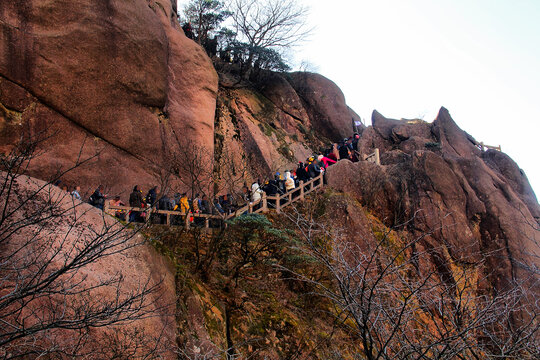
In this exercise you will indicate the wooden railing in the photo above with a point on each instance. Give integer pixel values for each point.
(374, 157)
(483, 147)
(276, 202)
(168, 215)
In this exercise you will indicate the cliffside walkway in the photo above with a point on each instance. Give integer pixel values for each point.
(276, 202)
(178, 218)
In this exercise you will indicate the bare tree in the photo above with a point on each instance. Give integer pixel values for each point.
(193, 164)
(47, 295)
(400, 307)
(201, 172)
(269, 24)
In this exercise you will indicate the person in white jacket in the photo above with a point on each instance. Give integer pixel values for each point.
(256, 192)
(289, 181)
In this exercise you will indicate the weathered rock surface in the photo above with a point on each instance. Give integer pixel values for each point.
(324, 103)
(276, 120)
(111, 265)
(479, 205)
(115, 77)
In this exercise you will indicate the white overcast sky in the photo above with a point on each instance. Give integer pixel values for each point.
(406, 58)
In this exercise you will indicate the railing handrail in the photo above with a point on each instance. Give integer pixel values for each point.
(247, 208)
(482, 146)
(154, 210)
(304, 185)
(374, 157)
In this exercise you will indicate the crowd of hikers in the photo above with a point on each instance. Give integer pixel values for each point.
(225, 204)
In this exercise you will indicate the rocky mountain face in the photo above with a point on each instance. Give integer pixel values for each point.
(114, 79)
(478, 205)
(276, 120)
(119, 84)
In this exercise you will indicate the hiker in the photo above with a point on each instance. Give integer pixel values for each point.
(326, 161)
(343, 150)
(166, 204)
(334, 154)
(195, 204)
(295, 178)
(188, 31)
(97, 199)
(289, 181)
(176, 201)
(270, 188)
(256, 192)
(279, 183)
(151, 197)
(184, 203)
(76, 193)
(233, 200)
(135, 200)
(314, 170)
(246, 193)
(225, 203)
(217, 207)
(356, 138)
(205, 205)
(120, 214)
(301, 172)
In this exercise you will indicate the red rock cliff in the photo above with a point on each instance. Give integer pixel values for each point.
(114, 77)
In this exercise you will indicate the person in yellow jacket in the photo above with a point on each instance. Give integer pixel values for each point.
(184, 203)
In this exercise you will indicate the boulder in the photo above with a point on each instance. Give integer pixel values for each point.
(324, 103)
(514, 176)
(382, 125)
(453, 140)
(280, 92)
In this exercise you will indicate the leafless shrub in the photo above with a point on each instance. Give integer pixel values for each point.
(399, 305)
(49, 304)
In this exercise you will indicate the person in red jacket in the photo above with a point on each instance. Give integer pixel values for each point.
(326, 161)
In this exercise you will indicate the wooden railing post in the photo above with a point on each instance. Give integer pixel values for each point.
(278, 204)
(265, 203)
(207, 222)
(250, 209)
(187, 220)
(377, 157)
(302, 190)
(168, 222)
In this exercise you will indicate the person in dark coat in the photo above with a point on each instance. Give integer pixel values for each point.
(314, 169)
(343, 150)
(98, 198)
(270, 188)
(135, 200)
(205, 205)
(188, 31)
(280, 184)
(356, 138)
(164, 203)
(226, 203)
(151, 197)
(301, 172)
